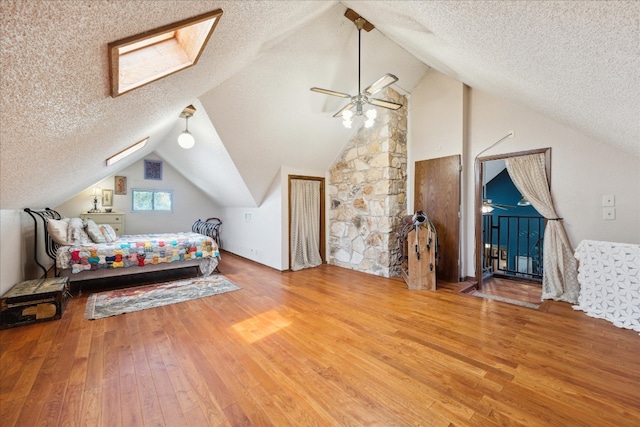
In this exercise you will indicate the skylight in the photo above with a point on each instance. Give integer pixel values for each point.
(127, 152)
(147, 57)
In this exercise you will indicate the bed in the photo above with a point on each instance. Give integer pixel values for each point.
(84, 251)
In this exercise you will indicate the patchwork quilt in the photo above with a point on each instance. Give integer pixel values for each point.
(137, 250)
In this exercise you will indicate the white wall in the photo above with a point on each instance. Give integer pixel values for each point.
(189, 203)
(265, 238)
(582, 169)
(255, 233)
(12, 250)
(435, 123)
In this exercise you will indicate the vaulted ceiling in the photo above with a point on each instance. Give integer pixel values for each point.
(578, 62)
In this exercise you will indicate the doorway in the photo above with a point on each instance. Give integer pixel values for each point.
(311, 201)
(508, 245)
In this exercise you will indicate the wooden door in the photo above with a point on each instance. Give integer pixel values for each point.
(437, 193)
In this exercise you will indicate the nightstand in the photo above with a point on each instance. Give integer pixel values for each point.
(115, 219)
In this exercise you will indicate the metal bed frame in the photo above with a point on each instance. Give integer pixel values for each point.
(50, 246)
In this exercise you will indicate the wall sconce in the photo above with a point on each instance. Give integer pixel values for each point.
(186, 140)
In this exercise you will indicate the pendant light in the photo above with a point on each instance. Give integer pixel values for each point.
(186, 140)
(524, 202)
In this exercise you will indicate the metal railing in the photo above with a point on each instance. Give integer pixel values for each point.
(513, 246)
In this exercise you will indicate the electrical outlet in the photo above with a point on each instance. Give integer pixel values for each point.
(608, 200)
(608, 213)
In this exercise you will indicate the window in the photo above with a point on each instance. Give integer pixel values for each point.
(152, 200)
(147, 57)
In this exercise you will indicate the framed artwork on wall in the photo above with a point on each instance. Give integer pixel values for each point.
(153, 169)
(120, 185)
(107, 197)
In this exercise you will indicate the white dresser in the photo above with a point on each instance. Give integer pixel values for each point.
(115, 219)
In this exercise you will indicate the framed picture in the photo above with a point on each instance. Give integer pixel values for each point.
(503, 254)
(120, 185)
(153, 169)
(107, 197)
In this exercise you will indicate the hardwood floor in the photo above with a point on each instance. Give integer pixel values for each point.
(325, 346)
(530, 292)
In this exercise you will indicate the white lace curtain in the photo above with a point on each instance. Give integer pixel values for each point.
(305, 224)
(560, 268)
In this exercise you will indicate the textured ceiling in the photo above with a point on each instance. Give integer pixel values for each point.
(577, 62)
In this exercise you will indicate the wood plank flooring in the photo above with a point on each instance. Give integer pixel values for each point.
(530, 292)
(326, 347)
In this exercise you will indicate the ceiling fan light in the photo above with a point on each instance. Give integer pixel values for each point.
(186, 140)
(524, 202)
(371, 118)
(347, 118)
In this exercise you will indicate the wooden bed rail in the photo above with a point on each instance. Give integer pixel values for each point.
(49, 245)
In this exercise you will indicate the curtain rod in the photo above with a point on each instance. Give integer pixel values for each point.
(509, 135)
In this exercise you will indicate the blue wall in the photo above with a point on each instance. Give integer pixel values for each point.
(527, 241)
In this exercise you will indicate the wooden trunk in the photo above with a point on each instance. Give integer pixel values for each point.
(34, 301)
(421, 259)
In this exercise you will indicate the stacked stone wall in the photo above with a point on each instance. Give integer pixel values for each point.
(367, 188)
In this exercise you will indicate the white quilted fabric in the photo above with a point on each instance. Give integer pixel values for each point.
(609, 276)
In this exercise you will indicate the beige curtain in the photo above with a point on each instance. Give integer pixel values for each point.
(305, 224)
(560, 268)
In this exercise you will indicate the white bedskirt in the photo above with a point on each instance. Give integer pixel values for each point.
(609, 276)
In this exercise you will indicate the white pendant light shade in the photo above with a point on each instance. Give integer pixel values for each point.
(186, 140)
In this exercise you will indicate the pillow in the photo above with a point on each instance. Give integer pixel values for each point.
(108, 232)
(94, 231)
(76, 234)
(57, 229)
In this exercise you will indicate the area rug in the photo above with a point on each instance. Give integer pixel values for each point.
(112, 303)
(507, 300)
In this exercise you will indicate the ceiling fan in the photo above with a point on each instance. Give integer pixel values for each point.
(487, 206)
(363, 97)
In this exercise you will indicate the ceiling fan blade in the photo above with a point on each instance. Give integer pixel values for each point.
(385, 104)
(381, 83)
(345, 108)
(330, 92)
(498, 205)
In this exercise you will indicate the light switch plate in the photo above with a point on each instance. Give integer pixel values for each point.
(608, 200)
(608, 213)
